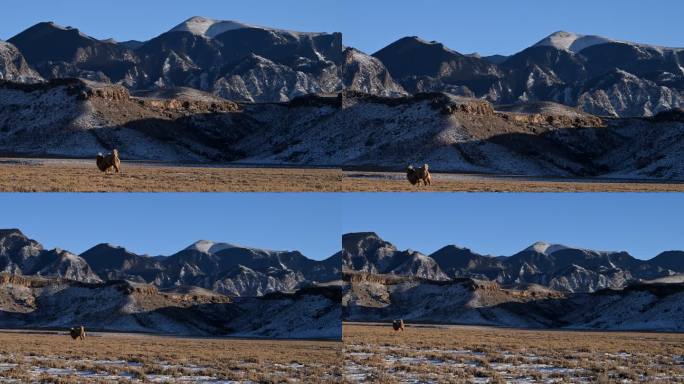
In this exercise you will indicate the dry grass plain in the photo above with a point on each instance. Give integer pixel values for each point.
(470, 354)
(58, 175)
(75, 175)
(115, 358)
(355, 181)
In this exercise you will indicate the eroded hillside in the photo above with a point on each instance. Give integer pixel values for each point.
(77, 118)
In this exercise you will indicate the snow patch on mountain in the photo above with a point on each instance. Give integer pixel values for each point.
(209, 28)
(545, 248)
(207, 246)
(573, 42)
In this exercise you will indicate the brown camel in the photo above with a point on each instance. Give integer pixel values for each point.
(398, 325)
(77, 332)
(417, 175)
(108, 162)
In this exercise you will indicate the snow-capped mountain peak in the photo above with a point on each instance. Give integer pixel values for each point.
(207, 27)
(572, 42)
(207, 246)
(545, 248)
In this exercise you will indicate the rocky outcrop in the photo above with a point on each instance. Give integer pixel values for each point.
(620, 93)
(367, 74)
(556, 121)
(23, 256)
(366, 252)
(13, 66)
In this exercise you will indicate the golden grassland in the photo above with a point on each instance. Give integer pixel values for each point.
(50, 357)
(395, 182)
(78, 176)
(64, 175)
(458, 354)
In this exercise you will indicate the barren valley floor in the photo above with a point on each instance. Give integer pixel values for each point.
(367, 181)
(460, 354)
(81, 175)
(72, 175)
(27, 356)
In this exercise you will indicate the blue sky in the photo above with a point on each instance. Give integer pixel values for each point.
(144, 19)
(502, 224)
(166, 223)
(490, 223)
(487, 26)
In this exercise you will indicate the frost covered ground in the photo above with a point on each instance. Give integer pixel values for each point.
(105, 358)
(439, 354)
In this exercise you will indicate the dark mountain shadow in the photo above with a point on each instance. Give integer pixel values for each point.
(579, 159)
(573, 310)
(189, 133)
(99, 307)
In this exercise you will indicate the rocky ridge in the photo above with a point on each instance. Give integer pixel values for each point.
(234, 271)
(556, 267)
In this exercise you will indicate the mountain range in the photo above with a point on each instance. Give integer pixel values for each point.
(36, 302)
(591, 73)
(223, 268)
(556, 267)
(649, 305)
(211, 91)
(244, 62)
(543, 286)
(230, 59)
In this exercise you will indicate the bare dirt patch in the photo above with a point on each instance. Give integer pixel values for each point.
(110, 358)
(51, 175)
(460, 354)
